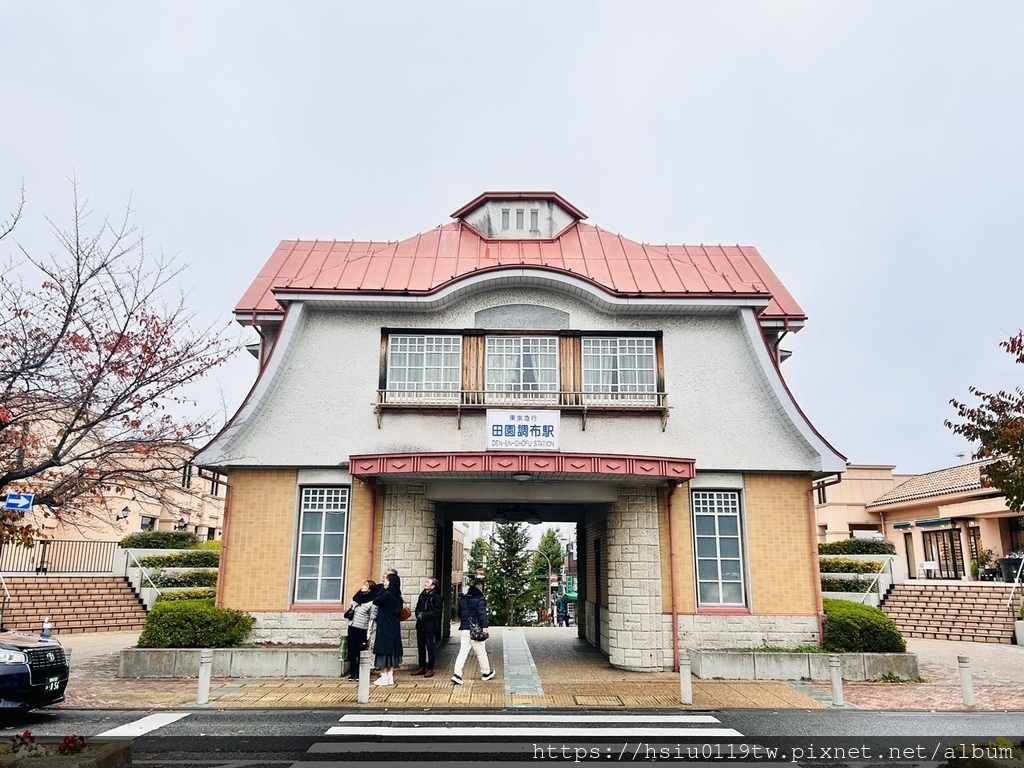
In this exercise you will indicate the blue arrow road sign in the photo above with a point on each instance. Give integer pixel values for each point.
(19, 501)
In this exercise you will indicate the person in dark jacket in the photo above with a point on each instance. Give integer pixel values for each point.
(387, 647)
(472, 610)
(429, 609)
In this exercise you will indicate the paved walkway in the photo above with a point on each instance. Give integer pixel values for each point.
(573, 676)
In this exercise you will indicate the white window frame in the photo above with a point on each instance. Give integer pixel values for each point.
(718, 549)
(511, 381)
(505, 214)
(612, 372)
(534, 220)
(321, 544)
(431, 368)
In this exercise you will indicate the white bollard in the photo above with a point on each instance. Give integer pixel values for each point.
(966, 683)
(205, 672)
(363, 697)
(685, 681)
(835, 670)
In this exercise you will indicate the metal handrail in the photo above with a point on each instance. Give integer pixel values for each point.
(479, 398)
(142, 569)
(1013, 589)
(6, 602)
(874, 581)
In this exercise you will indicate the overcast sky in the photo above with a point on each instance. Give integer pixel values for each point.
(871, 151)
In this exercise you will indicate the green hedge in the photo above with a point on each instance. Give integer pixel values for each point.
(194, 624)
(844, 565)
(855, 628)
(160, 540)
(200, 593)
(844, 585)
(186, 579)
(857, 547)
(193, 558)
(208, 545)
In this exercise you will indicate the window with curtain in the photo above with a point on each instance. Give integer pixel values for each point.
(424, 369)
(522, 368)
(619, 370)
(323, 523)
(716, 526)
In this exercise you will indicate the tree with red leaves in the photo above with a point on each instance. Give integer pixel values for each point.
(997, 422)
(93, 362)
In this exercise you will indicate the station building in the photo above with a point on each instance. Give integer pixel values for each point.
(518, 363)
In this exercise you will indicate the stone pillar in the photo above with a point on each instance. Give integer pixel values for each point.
(635, 633)
(409, 536)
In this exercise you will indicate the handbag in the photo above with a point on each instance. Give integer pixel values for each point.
(476, 632)
(350, 613)
(405, 614)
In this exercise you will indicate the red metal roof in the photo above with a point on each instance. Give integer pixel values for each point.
(429, 261)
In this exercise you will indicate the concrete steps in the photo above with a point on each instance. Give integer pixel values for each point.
(73, 604)
(957, 611)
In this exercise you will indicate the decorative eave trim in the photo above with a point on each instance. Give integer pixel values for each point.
(829, 461)
(502, 465)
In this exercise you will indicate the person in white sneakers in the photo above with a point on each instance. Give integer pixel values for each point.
(472, 610)
(387, 648)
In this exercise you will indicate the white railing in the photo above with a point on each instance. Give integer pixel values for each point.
(1013, 589)
(887, 565)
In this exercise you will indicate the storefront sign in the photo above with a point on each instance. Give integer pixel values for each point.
(522, 430)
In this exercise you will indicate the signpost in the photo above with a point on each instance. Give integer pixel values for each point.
(20, 502)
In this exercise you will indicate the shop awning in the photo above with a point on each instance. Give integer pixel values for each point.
(936, 523)
(901, 526)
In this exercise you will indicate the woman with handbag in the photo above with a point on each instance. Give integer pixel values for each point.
(360, 615)
(387, 647)
(473, 632)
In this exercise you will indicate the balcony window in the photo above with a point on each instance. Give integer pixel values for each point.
(716, 525)
(424, 369)
(522, 369)
(323, 523)
(619, 370)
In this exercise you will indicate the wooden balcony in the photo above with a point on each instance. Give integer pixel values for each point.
(458, 401)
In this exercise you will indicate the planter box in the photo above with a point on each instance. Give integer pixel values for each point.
(753, 665)
(100, 754)
(231, 662)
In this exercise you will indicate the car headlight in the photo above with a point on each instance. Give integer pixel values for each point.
(12, 657)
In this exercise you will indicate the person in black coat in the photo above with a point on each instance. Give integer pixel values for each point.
(387, 648)
(429, 609)
(472, 610)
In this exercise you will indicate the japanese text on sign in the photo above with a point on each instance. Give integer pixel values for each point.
(522, 430)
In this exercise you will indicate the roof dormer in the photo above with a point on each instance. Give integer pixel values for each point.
(519, 215)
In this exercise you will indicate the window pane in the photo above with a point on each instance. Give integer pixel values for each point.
(320, 566)
(707, 570)
(706, 547)
(705, 525)
(730, 570)
(732, 594)
(504, 218)
(710, 593)
(534, 220)
(730, 547)
(728, 525)
(519, 219)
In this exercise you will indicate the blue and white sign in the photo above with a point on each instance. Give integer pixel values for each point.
(522, 430)
(22, 502)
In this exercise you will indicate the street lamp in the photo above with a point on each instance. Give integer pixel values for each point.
(547, 586)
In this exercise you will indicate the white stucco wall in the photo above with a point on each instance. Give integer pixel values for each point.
(318, 408)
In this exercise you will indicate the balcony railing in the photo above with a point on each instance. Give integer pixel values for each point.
(460, 400)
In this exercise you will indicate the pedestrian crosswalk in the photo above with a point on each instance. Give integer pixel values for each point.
(482, 738)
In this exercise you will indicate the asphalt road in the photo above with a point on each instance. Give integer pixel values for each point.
(303, 738)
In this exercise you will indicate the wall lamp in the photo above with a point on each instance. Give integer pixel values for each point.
(123, 514)
(182, 525)
(522, 477)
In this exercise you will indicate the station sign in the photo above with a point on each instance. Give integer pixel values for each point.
(522, 430)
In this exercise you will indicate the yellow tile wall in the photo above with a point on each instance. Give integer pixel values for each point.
(257, 548)
(783, 561)
(783, 565)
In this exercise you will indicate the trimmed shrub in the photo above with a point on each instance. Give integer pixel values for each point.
(857, 547)
(844, 585)
(160, 540)
(855, 628)
(186, 579)
(193, 558)
(194, 624)
(200, 593)
(208, 545)
(843, 565)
